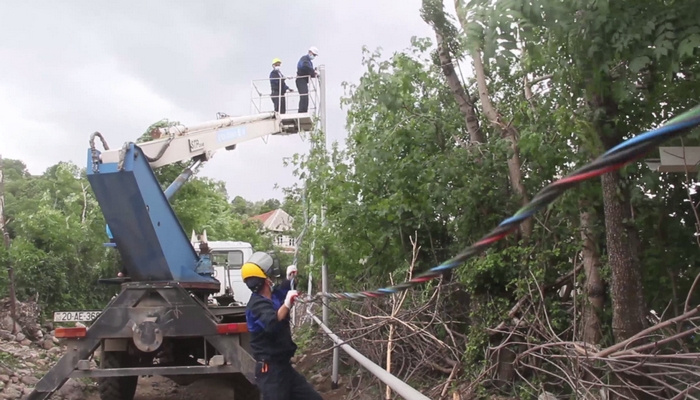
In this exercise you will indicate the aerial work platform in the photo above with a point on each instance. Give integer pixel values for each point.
(262, 102)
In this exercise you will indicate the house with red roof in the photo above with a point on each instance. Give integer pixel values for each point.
(278, 224)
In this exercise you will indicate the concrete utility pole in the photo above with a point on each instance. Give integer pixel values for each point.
(6, 241)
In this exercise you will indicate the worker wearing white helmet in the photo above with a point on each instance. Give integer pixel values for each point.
(267, 315)
(305, 69)
(278, 87)
(291, 273)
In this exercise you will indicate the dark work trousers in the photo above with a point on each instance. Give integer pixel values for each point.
(280, 381)
(303, 88)
(279, 102)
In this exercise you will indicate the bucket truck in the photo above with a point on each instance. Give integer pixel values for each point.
(160, 322)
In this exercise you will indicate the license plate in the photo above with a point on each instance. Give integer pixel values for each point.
(75, 316)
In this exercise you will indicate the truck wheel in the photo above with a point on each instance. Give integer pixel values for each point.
(117, 388)
(243, 389)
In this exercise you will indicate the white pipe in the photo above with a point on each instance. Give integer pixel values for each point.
(397, 385)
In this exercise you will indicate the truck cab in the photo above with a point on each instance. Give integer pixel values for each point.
(227, 258)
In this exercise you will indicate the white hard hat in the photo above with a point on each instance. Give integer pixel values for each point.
(314, 50)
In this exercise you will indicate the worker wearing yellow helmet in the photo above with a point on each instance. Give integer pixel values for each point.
(267, 315)
(278, 87)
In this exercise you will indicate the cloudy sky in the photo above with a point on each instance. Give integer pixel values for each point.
(73, 67)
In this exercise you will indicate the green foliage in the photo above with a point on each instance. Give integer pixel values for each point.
(245, 208)
(57, 232)
(625, 67)
(203, 204)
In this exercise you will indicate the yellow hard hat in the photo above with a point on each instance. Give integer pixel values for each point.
(276, 60)
(259, 265)
(250, 270)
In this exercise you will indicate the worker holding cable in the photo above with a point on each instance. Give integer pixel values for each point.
(267, 314)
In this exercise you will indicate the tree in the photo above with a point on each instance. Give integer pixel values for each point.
(546, 75)
(270, 204)
(57, 232)
(623, 58)
(241, 206)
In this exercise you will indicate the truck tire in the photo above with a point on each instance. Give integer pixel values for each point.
(243, 389)
(117, 388)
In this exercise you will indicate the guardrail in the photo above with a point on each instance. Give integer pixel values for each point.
(397, 385)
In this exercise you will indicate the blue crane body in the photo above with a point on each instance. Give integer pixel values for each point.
(138, 212)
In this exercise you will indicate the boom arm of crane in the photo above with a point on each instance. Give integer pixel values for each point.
(149, 237)
(201, 141)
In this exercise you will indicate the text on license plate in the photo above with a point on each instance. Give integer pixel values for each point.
(75, 316)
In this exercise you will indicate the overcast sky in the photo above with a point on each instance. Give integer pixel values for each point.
(70, 68)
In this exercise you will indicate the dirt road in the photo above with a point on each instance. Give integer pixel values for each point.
(159, 388)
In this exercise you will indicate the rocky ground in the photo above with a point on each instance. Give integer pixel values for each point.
(28, 353)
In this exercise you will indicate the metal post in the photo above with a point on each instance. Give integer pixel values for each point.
(310, 286)
(311, 252)
(6, 240)
(323, 116)
(292, 286)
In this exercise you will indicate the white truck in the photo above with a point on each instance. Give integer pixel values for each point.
(227, 258)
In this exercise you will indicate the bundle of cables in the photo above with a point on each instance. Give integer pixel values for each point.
(614, 159)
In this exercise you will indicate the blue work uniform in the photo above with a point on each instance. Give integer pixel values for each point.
(278, 87)
(305, 69)
(273, 347)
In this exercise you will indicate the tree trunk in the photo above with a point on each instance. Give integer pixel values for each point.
(507, 131)
(463, 99)
(627, 293)
(591, 331)
(595, 289)
(622, 241)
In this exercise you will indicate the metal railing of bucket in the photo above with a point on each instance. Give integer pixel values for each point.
(261, 98)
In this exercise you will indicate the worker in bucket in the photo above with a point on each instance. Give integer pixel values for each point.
(267, 315)
(305, 69)
(278, 87)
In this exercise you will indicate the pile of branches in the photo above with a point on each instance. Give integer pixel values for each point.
(660, 362)
(422, 342)
(418, 339)
(421, 337)
(416, 333)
